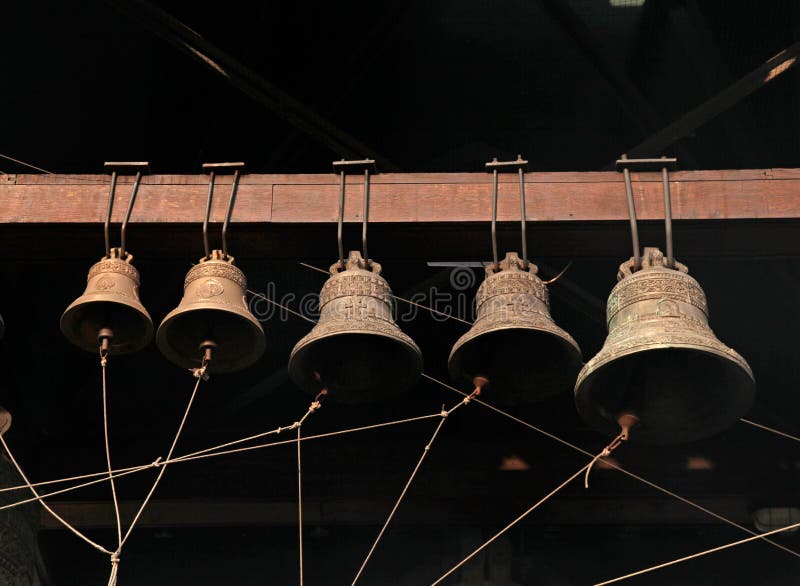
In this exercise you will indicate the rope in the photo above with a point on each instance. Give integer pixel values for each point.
(300, 505)
(47, 507)
(315, 405)
(618, 467)
(103, 365)
(199, 374)
(771, 430)
(444, 414)
(306, 438)
(112, 578)
(604, 454)
(204, 454)
(71, 478)
(700, 554)
(497, 535)
(117, 474)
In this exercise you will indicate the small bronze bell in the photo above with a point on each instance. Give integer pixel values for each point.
(109, 308)
(109, 314)
(661, 362)
(213, 313)
(356, 351)
(514, 343)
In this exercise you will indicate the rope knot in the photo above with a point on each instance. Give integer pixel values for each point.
(200, 373)
(155, 463)
(115, 558)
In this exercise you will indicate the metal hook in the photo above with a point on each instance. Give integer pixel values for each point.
(212, 169)
(339, 228)
(365, 220)
(637, 255)
(664, 164)
(343, 167)
(494, 217)
(231, 200)
(115, 167)
(495, 166)
(208, 213)
(668, 215)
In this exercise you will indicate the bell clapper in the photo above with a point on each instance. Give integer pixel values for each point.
(480, 382)
(626, 421)
(104, 337)
(207, 347)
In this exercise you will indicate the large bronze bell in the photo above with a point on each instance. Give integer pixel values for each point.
(212, 314)
(356, 351)
(109, 309)
(661, 362)
(514, 342)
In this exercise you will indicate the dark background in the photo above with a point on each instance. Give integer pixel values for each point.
(440, 86)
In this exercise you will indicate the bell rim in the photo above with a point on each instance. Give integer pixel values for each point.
(113, 350)
(5, 420)
(557, 333)
(592, 415)
(167, 351)
(308, 384)
(567, 342)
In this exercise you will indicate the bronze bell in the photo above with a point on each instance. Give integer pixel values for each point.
(212, 314)
(109, 308)
(661, 362)
(356, 351)
(514, 342)
(5, 420)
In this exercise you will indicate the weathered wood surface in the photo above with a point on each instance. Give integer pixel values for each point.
(446, 198)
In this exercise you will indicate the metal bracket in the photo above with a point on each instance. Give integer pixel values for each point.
(495, 167)
(212, 169)
(663, 164)
(644, 165)
(138, 169)
(343, 167)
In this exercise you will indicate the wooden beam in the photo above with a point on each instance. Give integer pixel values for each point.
(413, 198)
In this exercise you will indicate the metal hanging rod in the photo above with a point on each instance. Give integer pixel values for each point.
(344, 167)
(495, 167)
(212, 169)
(122, 168)
(663, 164)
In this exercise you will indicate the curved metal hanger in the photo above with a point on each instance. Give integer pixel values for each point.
(212, 169)
(116, 168)
(343, 168)
(495, 166)
(625, 164)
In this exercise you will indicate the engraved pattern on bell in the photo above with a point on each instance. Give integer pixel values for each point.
(514, 341)
(213, 308)
(356, 350)
(662, 361)
(111, 300)
(210, 288)
(216, 266)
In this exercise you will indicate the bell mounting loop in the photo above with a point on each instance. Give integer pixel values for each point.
(126, 168)
(664, 164)
(495, 167)
(344, 167)
(212, 169)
